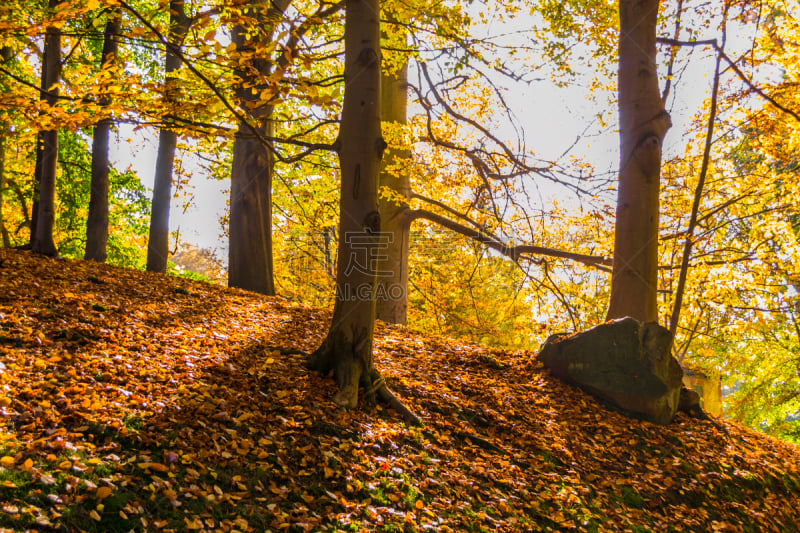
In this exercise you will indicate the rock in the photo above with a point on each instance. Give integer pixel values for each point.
(625, 362)
(689, 402)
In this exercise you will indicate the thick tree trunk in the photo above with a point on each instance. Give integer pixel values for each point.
(158, 241)
(347, 349)
(643, 122)
(47, 149)
(97, 220)
(392, 284)
(250, 246)
(250, 232)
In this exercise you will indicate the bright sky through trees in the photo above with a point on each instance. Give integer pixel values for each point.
(578, 118)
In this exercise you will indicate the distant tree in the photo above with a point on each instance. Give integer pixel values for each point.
(395, 184)
(158, 241)
(47, 146)
(5, 54)
(250, 250)
(97, 221)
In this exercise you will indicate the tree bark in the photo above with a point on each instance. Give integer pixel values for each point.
(5, 54)
(97, 219)
(643, 122)
(347, 349)
(250, 232)
(158, 241)
(3, 229)
(47, 149)
(392, 284)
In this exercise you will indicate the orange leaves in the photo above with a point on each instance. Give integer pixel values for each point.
(154, 467)
(166, 413)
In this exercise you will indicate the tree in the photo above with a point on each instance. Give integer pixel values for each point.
(158, 241)
(5, 54)
(347, 348)
(643, 122)
(250, 250)
(395, 184)
(47, 147)
(97, 221)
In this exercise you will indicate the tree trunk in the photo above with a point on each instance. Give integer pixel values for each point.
(3, 133)
(158, 241)
(97, 220)
(392, 284)
(643, 122)
(347, 349)
(47, 149)
(250, 231)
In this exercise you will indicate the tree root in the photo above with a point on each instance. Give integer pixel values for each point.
(351, 370)
(388, 397)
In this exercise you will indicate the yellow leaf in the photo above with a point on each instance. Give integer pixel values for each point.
(27, 464)
(419, 504)
(65, 465)
(103, 492)
(193, 524)
(7, 461)
(94, 515)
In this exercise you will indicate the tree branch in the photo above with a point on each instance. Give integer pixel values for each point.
(732, 64)
(268, 143)
(512, 251)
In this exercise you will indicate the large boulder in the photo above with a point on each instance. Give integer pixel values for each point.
(625, 362)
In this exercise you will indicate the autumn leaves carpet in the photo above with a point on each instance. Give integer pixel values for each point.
(134, 401)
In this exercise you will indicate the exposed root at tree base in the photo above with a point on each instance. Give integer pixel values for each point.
(387, 396)
(351, 369)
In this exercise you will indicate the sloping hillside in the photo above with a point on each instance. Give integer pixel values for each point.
(133, 401)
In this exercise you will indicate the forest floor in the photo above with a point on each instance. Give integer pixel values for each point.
(131, 401)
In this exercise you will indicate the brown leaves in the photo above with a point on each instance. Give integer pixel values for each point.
(172, 411)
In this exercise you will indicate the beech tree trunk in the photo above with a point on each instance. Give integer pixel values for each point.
(3, 229)
(347, 349)
(97, 220)
(158, 240)
(47, 149)
(250, 230)
(392, 284)
(5, 54)
(643, 122)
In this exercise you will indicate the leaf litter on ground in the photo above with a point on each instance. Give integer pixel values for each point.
(131, 401)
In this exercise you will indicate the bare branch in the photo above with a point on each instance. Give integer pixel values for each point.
(732, 64)
(514, 252)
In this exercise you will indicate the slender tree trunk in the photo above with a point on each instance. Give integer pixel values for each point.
(158, 241)
(47, 149)
(643, 122)
(97, 220)
(347, 349)
(6, 54)
(3, 229)
(250, 231)
(392, 289)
